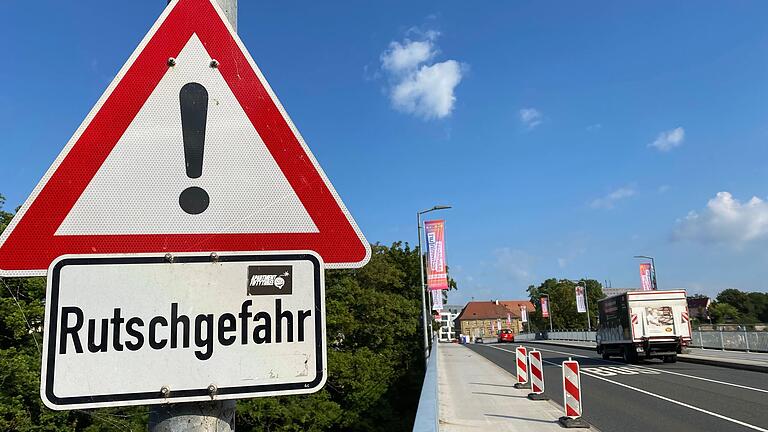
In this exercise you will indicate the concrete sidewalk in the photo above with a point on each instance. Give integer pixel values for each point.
(475, 395)
(734, 359)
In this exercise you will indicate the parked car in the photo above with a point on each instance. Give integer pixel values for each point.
(506, 335)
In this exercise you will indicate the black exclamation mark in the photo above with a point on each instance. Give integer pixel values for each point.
(193, 98)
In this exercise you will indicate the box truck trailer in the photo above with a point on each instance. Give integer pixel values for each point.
(644, 324)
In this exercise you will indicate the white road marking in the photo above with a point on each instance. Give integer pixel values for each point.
(619, 370)
(664, 398)
(665, 371)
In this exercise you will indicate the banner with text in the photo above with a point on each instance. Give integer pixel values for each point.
(523, 314)
(581, 302)
(437, 300)
(645, 277)
(544, 307)
(437, 275)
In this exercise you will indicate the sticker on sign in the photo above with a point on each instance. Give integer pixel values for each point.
(161, 328)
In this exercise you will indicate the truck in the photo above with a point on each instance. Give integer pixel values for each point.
(644, 324)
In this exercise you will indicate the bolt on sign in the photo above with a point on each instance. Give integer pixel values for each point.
(184, 229)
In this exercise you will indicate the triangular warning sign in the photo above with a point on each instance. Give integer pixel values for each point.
(188, 150)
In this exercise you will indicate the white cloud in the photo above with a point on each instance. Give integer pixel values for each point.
(726, 220)
(531, 117)
(407, 56)
(594, 127)
(668, 140)
(418, 85)
(609, 201)
(428, 92)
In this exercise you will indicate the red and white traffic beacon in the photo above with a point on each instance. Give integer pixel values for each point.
(572, 396)
(537, 376)
(521, 360)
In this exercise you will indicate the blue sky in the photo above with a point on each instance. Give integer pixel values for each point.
(567, 137)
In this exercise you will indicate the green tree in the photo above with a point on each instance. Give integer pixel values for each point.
(724, 313)
(752, 306)
(562, 303)
(21, 323)
(758, 306)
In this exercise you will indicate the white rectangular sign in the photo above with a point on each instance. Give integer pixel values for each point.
(437, 300)
(146, 329)
(581, 302)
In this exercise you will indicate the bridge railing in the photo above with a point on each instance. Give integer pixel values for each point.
(428, 413)
(738, 340)
(733, 340)
(563, 335)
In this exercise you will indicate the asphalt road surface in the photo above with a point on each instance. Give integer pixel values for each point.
(652, 395)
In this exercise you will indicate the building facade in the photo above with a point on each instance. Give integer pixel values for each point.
(483, 319)
(610, 292)
(447, 331)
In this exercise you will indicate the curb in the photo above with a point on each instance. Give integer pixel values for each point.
(731, 365)
(682, 358)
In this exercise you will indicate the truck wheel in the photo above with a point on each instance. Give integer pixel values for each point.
(670, 359)
(629, 355)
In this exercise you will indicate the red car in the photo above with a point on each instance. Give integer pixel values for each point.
(506, 335)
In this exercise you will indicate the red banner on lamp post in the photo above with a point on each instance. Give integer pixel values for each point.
(437, 274)
(645, 277)
(544, 307)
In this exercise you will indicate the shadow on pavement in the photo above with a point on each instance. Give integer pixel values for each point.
(494, 385)
(522, 418)
(499, 394)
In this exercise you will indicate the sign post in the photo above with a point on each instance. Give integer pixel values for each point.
(201, 416)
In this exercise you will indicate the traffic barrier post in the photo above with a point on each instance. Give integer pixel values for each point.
(521, 358)
(572, 396)
(537, 376)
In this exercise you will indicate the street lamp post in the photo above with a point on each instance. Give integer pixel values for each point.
(424, 304)
(653, 270)
(586, 303)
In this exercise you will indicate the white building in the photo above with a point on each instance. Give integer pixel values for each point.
(447, 331)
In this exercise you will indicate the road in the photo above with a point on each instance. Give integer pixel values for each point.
(651, 396)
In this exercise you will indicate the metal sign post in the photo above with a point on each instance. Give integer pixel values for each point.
(200, 416)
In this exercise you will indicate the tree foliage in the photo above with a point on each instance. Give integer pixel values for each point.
(375, 365)
(735, 306)
(562, 303)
